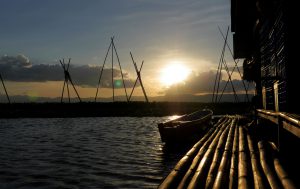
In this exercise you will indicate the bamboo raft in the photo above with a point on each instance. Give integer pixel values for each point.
(228, 156)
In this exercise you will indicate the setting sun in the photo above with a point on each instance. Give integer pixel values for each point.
(174, 73)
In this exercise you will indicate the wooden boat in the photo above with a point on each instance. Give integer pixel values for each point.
(186, 128)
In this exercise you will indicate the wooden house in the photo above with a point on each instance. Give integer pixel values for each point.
(264, 35)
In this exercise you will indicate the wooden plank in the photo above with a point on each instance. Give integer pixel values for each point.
(291, 128)
(268, 117)
(289, 122)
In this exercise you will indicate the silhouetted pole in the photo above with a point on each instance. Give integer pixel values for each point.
(113, 45)
(139, 77)
(74, 87)
(4, 89)
(236, 64)
(67, 79)
(112, 72)
(66, 75)
(102, 71)
(113, 49)
(218, 76)
(216, 79)
(63, 89)
(229, 78)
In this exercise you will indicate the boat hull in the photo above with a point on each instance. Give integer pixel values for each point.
(183, 130)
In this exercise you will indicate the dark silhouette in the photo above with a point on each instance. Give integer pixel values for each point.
(67, 80)
(138, 72)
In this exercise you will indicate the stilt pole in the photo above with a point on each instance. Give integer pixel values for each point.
(139, 77)
(112, 71)
(236, 65)
(113, 49)
(220, 70)
(102, 72)
(113, 45)
(67, 79)
(4, 89)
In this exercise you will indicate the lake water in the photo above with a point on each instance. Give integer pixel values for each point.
(105, 152)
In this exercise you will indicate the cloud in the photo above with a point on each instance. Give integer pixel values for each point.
(203, 83)
(20, 69)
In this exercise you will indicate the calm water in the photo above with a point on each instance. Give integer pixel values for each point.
(83, 153)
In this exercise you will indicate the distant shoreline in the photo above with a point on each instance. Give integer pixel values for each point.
(115, 109)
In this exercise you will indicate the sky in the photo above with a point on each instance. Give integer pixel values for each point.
(36, 34)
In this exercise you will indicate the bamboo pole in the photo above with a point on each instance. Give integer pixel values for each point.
(243, 167)
(62, 94)
(233, 173)
(113, 45)
(218, 75)
(68, 89)
(199, 178)
(236, 65)
(67, 79)
(112, 72)
(175, 176)
(223, 171)
(269, 172)
(258, 175)
(217, 158)
(204, 146)
(101, 72)
(7, 96)
(215, 83)
(63, 89)
(139, 77)
(283, 176)
(229, 78)
(74, 88)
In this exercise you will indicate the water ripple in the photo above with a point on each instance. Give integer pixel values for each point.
(83, 153)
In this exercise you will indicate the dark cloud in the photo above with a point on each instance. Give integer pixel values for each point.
(202, 83)
(19, 68)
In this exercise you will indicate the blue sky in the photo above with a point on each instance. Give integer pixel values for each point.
(154, 30)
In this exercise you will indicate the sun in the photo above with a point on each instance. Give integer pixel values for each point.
(174, 73)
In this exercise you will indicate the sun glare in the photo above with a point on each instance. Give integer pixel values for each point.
(174, 73)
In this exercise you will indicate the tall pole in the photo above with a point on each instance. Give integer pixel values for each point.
(215, 84)
(62, 94)
(219, 79)
(113, 45)
(112, 71)
(67, 79)
(229, 78)
(70, 79)
(5, 89)
(218, 75)
(102, 72)
(220, 70)
(236, 65)
(139, 77)
(68, 91)
(113, 49)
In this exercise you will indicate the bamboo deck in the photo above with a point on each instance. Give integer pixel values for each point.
(229, 156)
